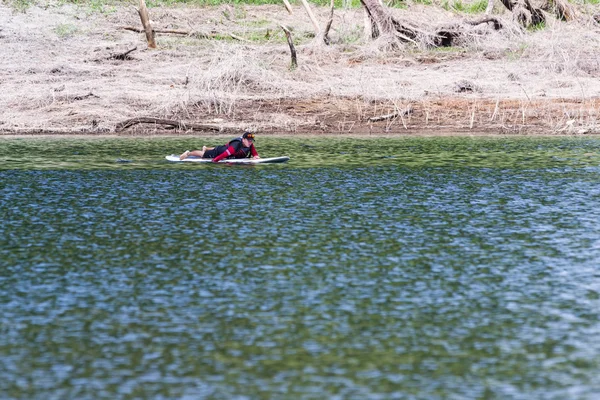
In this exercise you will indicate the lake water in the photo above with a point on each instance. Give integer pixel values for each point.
(385, 268)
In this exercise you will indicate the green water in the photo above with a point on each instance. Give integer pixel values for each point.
(428, 268)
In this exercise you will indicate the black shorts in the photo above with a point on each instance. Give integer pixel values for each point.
(214, 152)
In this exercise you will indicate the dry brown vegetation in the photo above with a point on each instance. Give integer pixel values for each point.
(65, 69)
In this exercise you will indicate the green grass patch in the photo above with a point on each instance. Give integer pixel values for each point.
(467, 8)
(153, 3)
(537, 27)
(105, 6)
(396, 3)
(448, 50)
(258, 23)
(100, 6)
(477, 7)
(19, 5)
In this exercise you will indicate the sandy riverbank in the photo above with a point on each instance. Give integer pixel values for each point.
(60, 75)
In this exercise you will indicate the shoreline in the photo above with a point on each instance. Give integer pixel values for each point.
(473, 135)
(443, 116)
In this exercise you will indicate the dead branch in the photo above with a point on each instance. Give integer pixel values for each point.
(199, 35)
(122, 56)
(288, 35)
(394, 115)
(328, 26)
(85, 96)
(143, 11)
(171, 123)
(485, 20)
(312, 17)
(241, 39)
(140, 30)
(288, 6)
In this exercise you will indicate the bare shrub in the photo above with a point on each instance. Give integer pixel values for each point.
(216, 82)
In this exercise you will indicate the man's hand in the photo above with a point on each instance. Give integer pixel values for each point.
(256, 157)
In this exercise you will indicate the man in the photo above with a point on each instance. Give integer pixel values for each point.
(241, 147)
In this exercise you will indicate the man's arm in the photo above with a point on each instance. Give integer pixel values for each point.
(230, 150)
(253, 151)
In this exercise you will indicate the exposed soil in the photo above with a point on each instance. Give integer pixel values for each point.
(65, 71)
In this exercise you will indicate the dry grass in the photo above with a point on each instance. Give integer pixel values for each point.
(50, 72)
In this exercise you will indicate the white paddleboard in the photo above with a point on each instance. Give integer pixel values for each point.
(272, 160)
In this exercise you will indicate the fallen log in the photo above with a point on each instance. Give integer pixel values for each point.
(121, 126)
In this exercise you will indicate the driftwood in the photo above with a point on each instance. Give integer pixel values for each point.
(288, 35)
(394, 115)
(171, 123)
(143, 11)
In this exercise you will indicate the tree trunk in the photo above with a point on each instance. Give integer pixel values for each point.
(560, 8)
(385, 24)
(143, 11)
(380, 17)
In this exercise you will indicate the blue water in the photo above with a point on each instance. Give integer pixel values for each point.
(432, 268)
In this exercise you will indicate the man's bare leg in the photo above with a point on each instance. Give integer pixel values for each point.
(195, 153)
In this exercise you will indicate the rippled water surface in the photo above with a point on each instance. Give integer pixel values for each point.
(429, 268)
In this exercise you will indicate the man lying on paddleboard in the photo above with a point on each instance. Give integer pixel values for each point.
(241, 147)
